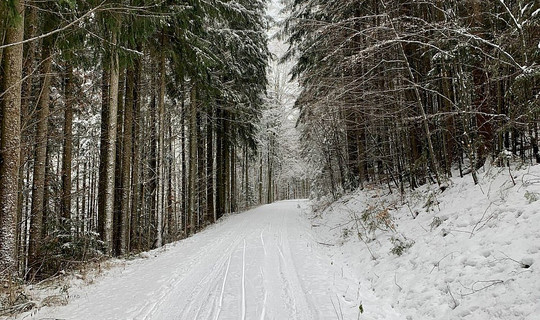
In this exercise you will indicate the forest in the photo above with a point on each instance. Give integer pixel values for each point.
(127, 125)
(411, 90)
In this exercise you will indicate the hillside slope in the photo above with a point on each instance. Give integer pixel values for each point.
(468, 252)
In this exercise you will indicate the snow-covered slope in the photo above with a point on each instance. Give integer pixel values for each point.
(469, 252)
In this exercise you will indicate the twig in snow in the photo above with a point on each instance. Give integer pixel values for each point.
(410, 210)
(341, 225)
(340, 309)
(395, 281)
(325, 244)
(436, 265)
(511, 176)
(335, 310)
(521, 264)
(421, 226)
(473, 290)
(462, 231)
(451, 295)
(483, 215)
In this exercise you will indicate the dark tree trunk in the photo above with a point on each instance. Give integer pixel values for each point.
(40, 160)
(10, 139)
(210, 214)
(193, 160)
(127, 159)
(67, 144)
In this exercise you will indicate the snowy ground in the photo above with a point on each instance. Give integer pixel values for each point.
(468, 252)
(262, 264)
(474, 250)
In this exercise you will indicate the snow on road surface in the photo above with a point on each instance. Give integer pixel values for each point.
(261, 264)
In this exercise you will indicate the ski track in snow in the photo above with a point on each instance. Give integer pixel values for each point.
(244, 282)
(261, 264)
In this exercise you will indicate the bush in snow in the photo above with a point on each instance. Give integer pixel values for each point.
(532, 196)
(62, 250)
(401, 244)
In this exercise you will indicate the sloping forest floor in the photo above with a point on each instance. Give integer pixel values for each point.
(468, 252)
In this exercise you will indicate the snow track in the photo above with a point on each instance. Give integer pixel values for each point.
(260, 264)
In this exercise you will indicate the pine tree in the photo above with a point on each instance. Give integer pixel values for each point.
(40, 159)
(10, 137)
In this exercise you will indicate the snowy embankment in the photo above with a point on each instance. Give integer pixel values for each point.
(261, 264)
(469, 252)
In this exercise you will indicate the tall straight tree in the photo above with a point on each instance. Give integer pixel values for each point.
(10, 134)
(108, 160)
(193, 159)
(127, 161)
(40, 159)
(67, 142)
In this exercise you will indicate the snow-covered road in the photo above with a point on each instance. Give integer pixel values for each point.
(260, 264)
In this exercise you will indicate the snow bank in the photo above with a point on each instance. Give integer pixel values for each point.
(468, 252)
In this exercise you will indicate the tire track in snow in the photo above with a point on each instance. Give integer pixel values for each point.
(287, 290)
(263, 312)
(262, 241)
(185, 276)
(210, 283)
(202, 291)
(220, 305)
(303, 309)
(244, 282)
(152, 306)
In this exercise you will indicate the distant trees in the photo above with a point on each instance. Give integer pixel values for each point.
(404, 92)
(140, 123)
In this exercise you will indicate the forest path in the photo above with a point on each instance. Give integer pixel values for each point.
(261, 264)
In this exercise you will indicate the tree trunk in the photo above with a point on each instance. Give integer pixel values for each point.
(220, 180)
(126, 164)
(136, 151)
(103, 149)
(183, 203)
(201, 181)
(260, 181)
(84, 200)
(67, 143)
(161, 167)
(226, 167)
(192, 159)
(246, 177)
(118, 186)
(40, 163)
(10, 140)
(29, 59)
(151, 192)
(108, 201)
(170, 198)
(210, 217)
(269, 197)
(234, 207)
